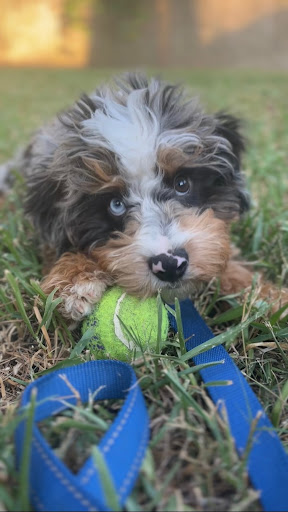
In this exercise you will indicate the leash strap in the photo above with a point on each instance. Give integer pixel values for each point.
(267, 462)
(52, 486)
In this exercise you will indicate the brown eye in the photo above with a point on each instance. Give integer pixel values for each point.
(181, 185)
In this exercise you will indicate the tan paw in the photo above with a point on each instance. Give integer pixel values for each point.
(79, 298)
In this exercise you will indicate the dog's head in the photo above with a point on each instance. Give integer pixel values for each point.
(149, 183)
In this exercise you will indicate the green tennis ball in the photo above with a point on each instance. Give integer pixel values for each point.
(123, 325)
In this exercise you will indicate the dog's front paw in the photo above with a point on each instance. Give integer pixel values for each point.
(78, 282)
(78, 299)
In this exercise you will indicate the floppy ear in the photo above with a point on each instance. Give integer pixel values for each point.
(229, 127)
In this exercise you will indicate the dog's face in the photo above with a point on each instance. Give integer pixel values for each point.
(148, 183)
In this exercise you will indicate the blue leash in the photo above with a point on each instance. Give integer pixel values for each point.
(267, 462)
(54, 487)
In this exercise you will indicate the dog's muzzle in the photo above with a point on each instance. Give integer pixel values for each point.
(169, 266)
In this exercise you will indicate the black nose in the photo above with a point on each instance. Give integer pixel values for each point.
(169, 266)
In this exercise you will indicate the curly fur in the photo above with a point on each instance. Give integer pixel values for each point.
(135, 141)
(112, 140)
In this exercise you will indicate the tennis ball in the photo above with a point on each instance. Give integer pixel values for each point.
(123, 325)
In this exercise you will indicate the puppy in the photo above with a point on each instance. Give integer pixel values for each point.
(136, 186)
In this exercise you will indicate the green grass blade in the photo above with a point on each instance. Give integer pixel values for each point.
(82, 343)
(279, 405)
(26, 455)
(159, 330)
(180, 327)
(199, 367)
(225, 337)
(50, 306)
(106, 480)
(172, 378)
(217, 383)
(19, 301)
(231, 314)
(61, 364)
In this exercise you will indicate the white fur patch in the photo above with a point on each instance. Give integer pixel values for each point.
(159, 231)
(180, 139)
(79, 298)
(130, 131)
(91, 291)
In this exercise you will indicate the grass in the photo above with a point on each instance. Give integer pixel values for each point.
(191, 463)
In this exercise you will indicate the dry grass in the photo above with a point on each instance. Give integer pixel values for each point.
(191, 463)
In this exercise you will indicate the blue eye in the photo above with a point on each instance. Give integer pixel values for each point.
(117, 207)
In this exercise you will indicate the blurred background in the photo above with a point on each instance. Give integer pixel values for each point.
(247, 34)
